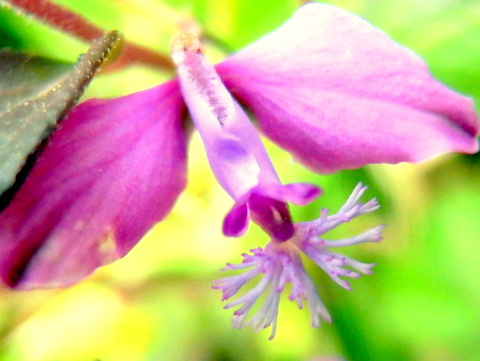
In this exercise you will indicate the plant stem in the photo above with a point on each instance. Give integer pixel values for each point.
(76, 25)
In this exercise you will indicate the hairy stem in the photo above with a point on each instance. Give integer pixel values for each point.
(74, 24)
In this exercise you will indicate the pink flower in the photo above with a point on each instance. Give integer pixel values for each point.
(326, 86)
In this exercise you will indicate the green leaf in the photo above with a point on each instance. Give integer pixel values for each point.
(35, 95)
(23, 76)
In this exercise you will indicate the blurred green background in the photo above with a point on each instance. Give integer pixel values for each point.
(422, 303)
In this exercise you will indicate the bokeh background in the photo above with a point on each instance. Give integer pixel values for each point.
(422, 303)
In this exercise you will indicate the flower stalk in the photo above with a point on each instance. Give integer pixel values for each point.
(74, 24)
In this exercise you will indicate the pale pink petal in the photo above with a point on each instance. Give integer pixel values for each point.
(338, 93)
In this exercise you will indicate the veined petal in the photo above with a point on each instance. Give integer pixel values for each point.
(113, 170)
(338, 93)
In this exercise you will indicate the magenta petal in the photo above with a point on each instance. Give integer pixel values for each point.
(271, 215)
(235, 223)
(266, 205)
(114, 169)
(338, 93)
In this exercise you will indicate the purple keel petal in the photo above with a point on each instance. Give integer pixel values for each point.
(112, 171)
(235, 223)
(338, 93)
(267, 206)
